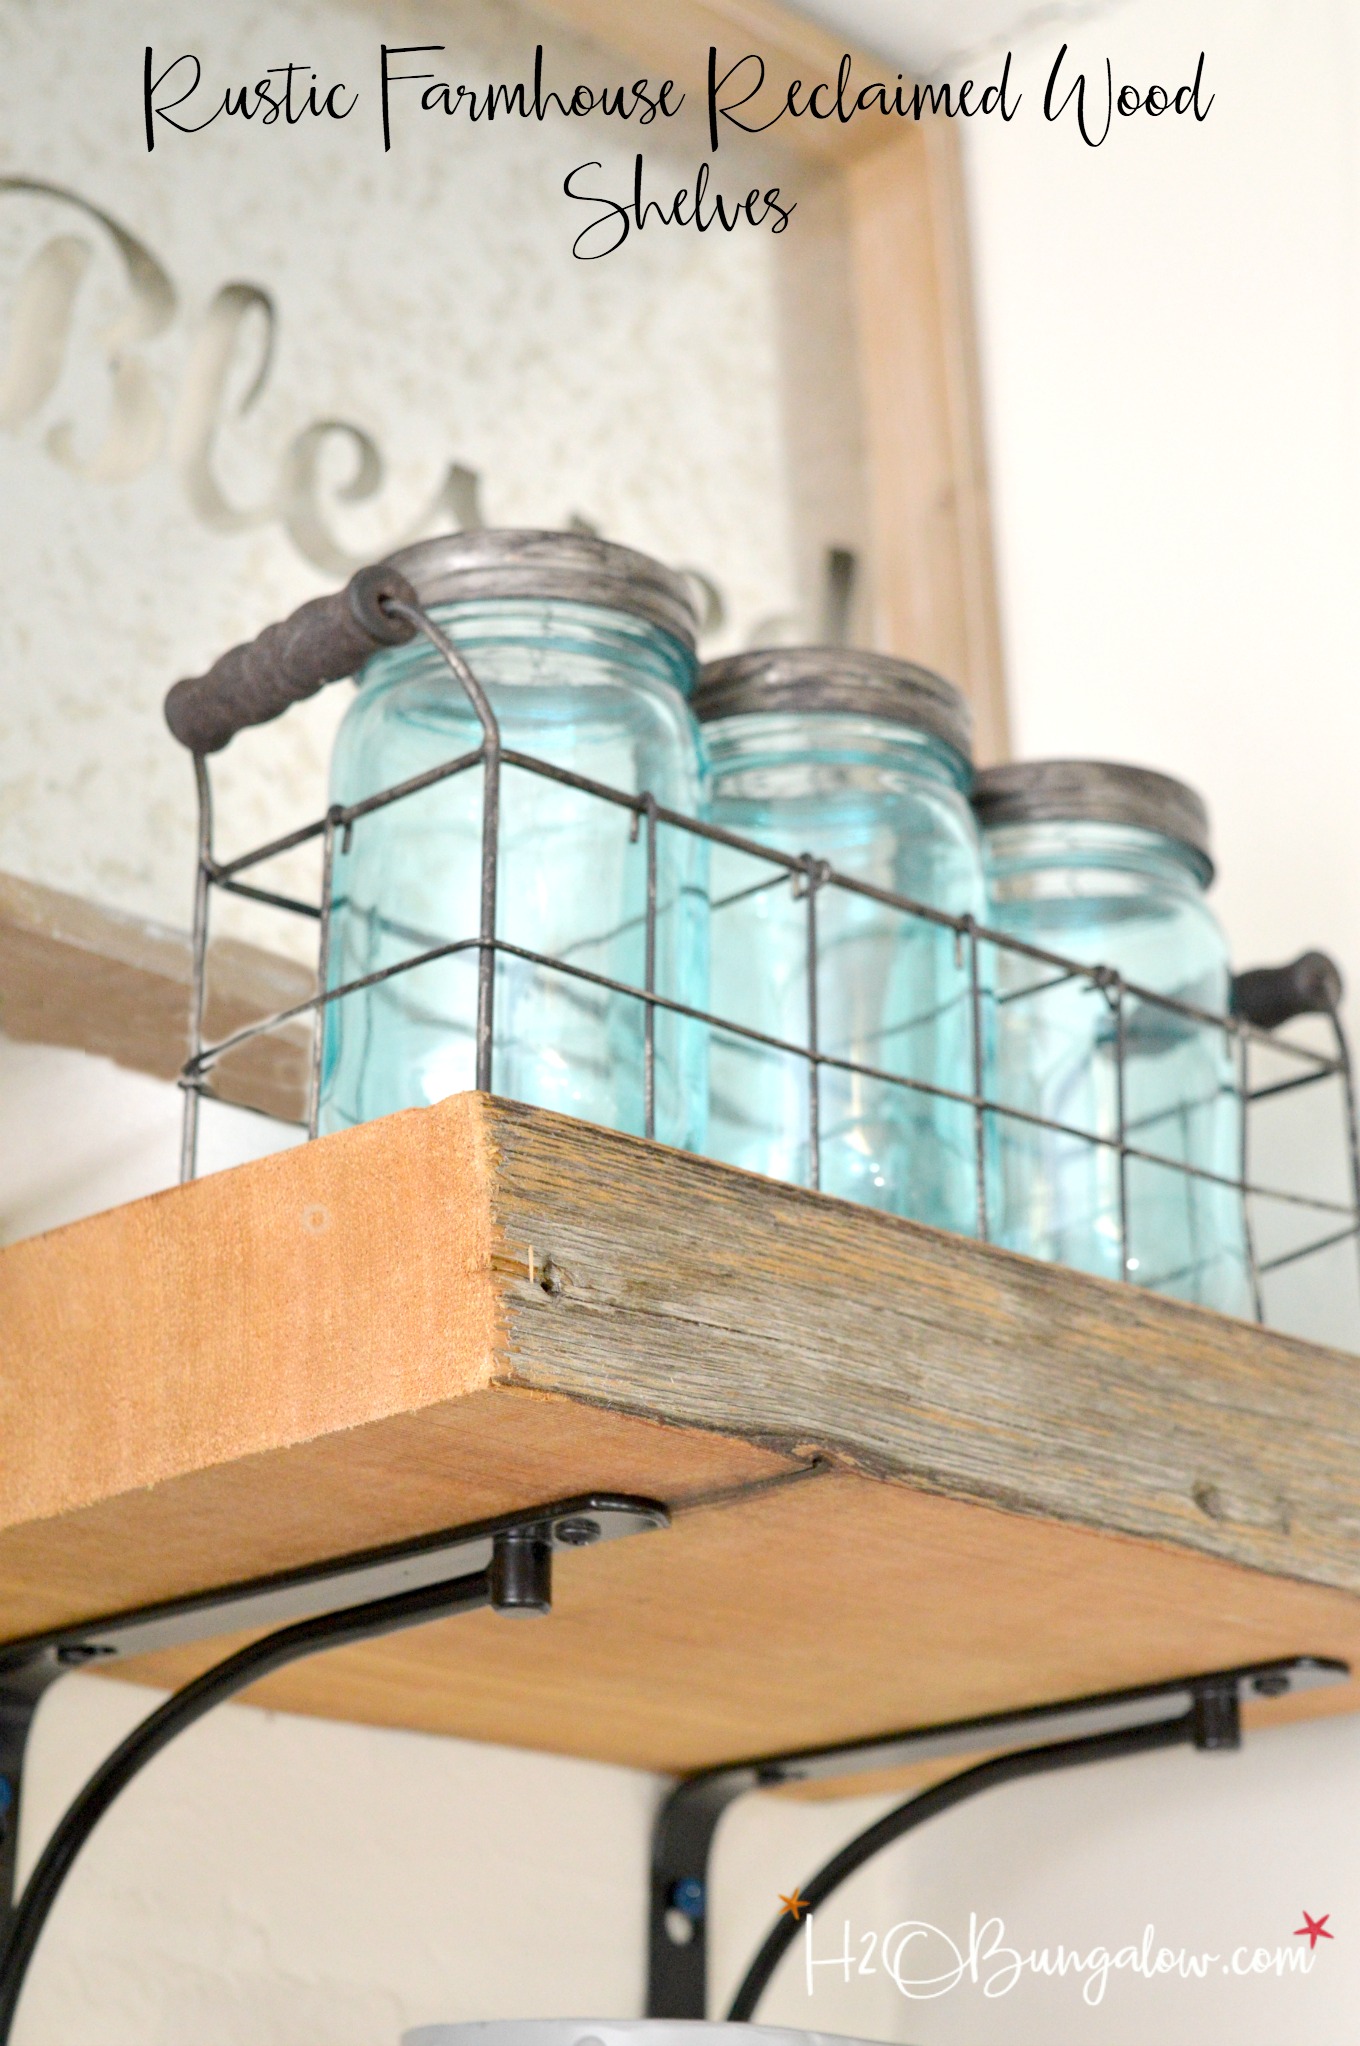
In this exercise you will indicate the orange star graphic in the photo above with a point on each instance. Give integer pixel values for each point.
(1312, 1929)
(795, 1905)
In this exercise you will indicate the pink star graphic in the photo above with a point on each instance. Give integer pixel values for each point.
(1314, 1929)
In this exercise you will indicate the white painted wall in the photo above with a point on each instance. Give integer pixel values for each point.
(1171, 346)
(1171, 343)
(1170, 355)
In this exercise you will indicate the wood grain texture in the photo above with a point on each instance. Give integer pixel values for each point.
(704, 1296)
(76, 974)
(255, 1309)
(832, 1608)
(1032, 1483)
(934, 576)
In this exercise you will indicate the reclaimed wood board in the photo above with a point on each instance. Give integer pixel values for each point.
(915, 1477)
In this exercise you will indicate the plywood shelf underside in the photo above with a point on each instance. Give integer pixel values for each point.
(914, 1478)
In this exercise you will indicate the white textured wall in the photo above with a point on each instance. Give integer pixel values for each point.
(1215, 1852)
(287, 1883)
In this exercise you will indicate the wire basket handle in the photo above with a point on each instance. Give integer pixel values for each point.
(323, 641)
(1268, 996)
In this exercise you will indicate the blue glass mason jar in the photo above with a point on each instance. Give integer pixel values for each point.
(586, 653)
(1108, 865)
(863, 762)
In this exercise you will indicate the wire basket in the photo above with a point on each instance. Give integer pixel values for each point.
(1285, 1226)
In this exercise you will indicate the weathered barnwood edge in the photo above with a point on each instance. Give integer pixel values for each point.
(684, 1292)
(482, 1247)
(1030, 1485)
(85, 977)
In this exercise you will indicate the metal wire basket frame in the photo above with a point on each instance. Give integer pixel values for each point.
(809, 876)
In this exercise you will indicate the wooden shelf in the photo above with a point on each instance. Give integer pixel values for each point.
(915, 1478)
(76, 974)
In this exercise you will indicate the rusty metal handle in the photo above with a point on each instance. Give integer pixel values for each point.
(1267, 996)
(323, 641)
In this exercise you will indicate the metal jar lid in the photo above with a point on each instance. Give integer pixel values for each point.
(830, 678)
(494, 561)
(1094, 792)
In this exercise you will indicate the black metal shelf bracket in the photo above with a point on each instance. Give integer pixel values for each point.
(1201, 1711)
(504, 1564)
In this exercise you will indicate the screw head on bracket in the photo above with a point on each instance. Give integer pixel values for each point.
(578, 1532)
(1273, 1684)
(687, 1897)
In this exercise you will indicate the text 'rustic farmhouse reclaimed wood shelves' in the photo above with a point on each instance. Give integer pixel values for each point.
(914, 1478)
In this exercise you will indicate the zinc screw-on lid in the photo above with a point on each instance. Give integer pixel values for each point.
(578, 568)
(832, 678)
(1094, 792)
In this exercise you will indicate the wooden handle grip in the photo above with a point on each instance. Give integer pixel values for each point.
(1310, 985)
(321, 642)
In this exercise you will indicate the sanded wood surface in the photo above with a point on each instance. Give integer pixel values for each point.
(829, 1607)
(915, 1477)
(78, 974)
